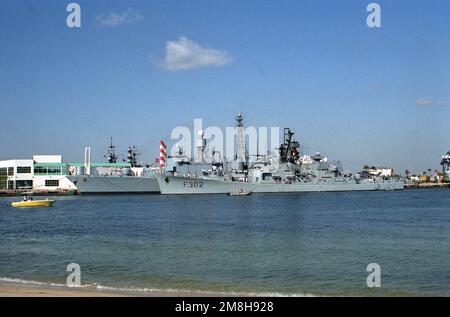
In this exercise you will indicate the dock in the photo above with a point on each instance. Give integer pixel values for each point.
(427, 185)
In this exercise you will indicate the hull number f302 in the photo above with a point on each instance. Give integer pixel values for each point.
(193, 184)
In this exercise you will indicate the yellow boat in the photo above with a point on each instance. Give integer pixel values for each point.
(33, 203)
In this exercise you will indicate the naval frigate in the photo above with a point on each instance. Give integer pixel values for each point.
(115, 177)
(283, 171)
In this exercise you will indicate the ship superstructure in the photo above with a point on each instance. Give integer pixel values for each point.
(282, 171)
(446, 165)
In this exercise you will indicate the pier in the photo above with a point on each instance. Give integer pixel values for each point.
(427, 185)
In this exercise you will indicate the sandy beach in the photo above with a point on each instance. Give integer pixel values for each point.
(24, 290)
(34, 291)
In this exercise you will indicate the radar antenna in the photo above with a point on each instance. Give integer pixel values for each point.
(289, 149)
(132, 154)
(112, 157)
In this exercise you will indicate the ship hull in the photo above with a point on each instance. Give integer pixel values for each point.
(172, 185)
(96, 185)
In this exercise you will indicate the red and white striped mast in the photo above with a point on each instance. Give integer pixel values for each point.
(162, 155)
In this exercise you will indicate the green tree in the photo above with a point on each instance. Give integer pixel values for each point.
(3, 181)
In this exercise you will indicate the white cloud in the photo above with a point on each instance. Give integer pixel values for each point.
(423, 101)
(185, 54)
(113, 19)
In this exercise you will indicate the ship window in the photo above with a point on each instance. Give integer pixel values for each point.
(23, 169)
(10, 171)
(52, 182)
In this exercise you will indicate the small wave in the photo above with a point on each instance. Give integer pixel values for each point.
(27, 282)
(168, 291)
(36, 283)
(204, 293)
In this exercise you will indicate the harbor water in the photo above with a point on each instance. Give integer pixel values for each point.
(289, 244)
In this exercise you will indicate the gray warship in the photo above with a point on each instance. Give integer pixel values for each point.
(113, 177)
(284, 171)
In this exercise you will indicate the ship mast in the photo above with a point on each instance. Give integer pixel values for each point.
(240, 151)
(289, 149)
(131, 156)
(201, 147)
(112, 157)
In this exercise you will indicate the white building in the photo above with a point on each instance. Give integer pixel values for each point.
(42, 173)
(381, 171)
(385, 172)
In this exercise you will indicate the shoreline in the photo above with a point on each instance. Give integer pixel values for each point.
(427, 186)
(22, 288)
(17, 289)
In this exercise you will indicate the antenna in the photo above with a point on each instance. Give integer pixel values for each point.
(241, 148)
(112, 157)
(132, 154)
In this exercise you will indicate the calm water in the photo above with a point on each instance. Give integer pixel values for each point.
(317, 243)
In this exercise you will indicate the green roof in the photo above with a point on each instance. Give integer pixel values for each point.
(50, 164)
(82, 164)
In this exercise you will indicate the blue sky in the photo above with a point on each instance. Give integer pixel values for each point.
(378, 96)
